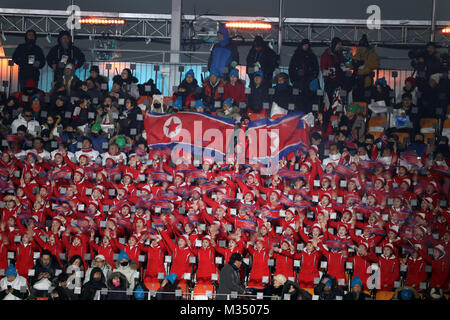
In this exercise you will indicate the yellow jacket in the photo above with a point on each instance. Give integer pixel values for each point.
(371, 62)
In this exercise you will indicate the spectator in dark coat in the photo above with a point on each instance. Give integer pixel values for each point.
(82, 114)
(283, 91)
(261, 57)
(281, 287)
(224, 54)
(99, 80)
(382, 92)
(331, 63)
(117, 287)
(259, 94)
(303, 68)
(64, 53)
(45, 267)
(229, 278)
(190, 82)
(356, 293)
(148, 88)
(131, 118)
(432, 60)
(96, 282)
(30, 59)
(327, 288)
(61, 292)
(213, 90)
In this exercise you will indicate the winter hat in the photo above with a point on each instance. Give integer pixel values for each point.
(96, 127)
(412, 80)
(353, 108)
(139, 293)
(120, 141)
(329, 283)
(100, 256)
(280, 278)
(356, 281)
(36, 95)
(198, 104)
(30, 83)
(234, 72)
(381, 81)
(190, 72)
(11, 271)
(171, 277)
(304, 41)
(365, 244)
(389, 245)
(406, 294)
(122, 255)
(259, 73)
(440, 248)
(228, 101)
(363, 42)
(258, 41)
(69, 66)
(95, 69)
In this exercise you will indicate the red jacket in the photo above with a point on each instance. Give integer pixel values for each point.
(260, 267)
(236, 92)
(416, 272)
(180, 257)
(155, 260)
(361, 266)
(389, 271)
(206, 263)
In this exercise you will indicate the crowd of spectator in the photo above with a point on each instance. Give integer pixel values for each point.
(89, 211)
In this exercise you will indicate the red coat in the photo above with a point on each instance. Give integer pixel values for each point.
(206, 263)
(308, 268)
(155, 260)
(236, 92)
(335, 263)
(416, 272)
(180, 257)
(24, 257)
(361, 266)
(389, 271)
(260, 267)
(284, 263)
(132, 252)
(439, 271)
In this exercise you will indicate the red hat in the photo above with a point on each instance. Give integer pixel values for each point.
(412, 80)
(100, 188)
(291, 210)
(327, 195)
(122, 188)
(380, 179)
(250, 192)
(30, 83)
(207, 237)
(83, 156)
(428, 199)
(343, 225)
(80, 171)
(407, 181)
(260, 239)
(316, 226)
(421, 215)
(313, 148)
(179, 174)
(185, 237)
(308, 164)
(440, 248)
(277, 192)
(347, 210)
(325, 178)
(141, 219)
(422, 228)
(129, 174)
(287, 240)
(57, 219)
(221, 190)
(134, 237)
(389, 245)
(197, 189)
(78, 236)
(393, 229)
(365, 244)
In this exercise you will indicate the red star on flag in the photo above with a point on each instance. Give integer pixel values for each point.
(172, 127)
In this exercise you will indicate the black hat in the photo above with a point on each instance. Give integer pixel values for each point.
(304, 41)
(259, 41)
(363, 42)
(95, 69)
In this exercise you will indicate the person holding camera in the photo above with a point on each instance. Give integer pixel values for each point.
(363, 63)
(332, 67)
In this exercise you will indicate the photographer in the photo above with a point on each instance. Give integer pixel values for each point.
(364, 62)
(331, 65)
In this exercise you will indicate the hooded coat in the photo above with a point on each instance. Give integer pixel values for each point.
(71, 54)
(303, 67)
(266, 57)
(90, 288)
(222, 54)
(30, 58)
(117, 293)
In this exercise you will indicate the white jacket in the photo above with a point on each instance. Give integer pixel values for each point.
(17, 284)
(33, 126)
(128, 273)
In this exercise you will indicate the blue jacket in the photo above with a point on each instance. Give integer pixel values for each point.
(222, 54)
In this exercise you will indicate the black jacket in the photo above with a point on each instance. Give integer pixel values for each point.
(267, 58)
(117, 293)
(22, 56)
(90, 288)
(39, 268)
(303, 68)
(229, 282)
(128, 120)
(75, 55)
(257, 97)
(283, 95)
(153, 88)
(331, 294)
